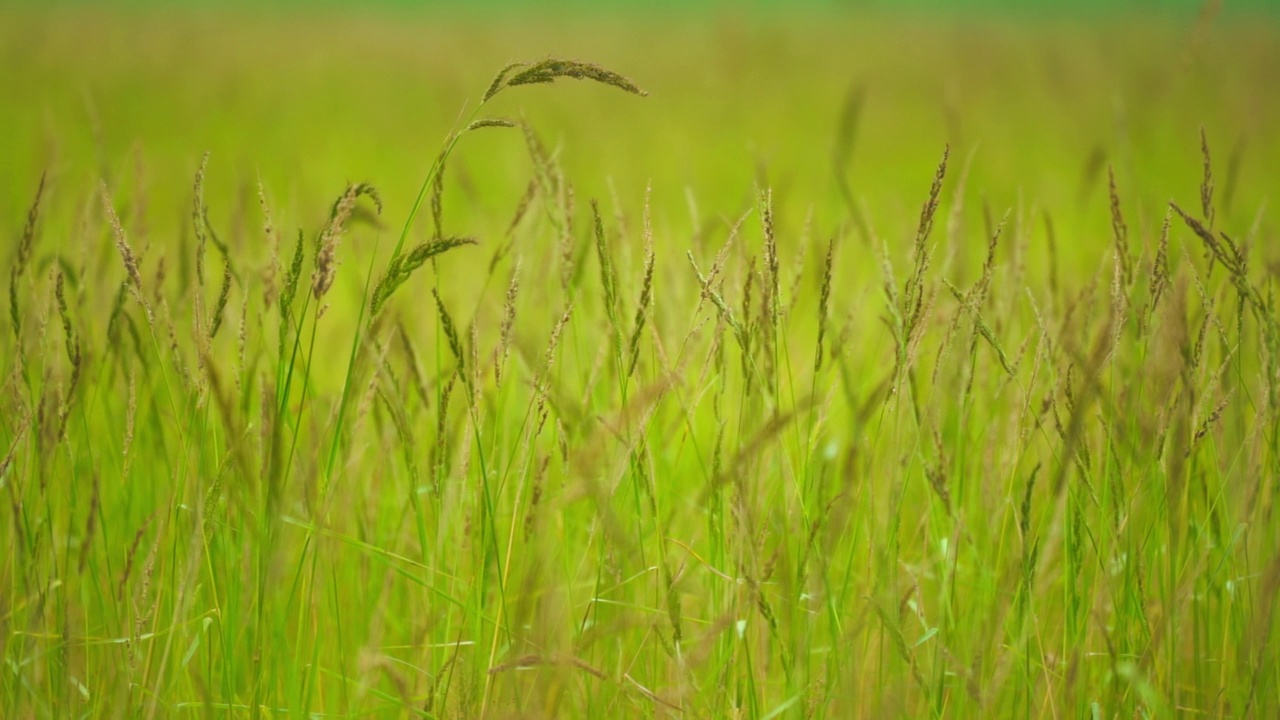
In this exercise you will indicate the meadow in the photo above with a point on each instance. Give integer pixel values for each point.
(706, 363)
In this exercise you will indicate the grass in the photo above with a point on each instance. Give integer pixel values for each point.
(933, 421)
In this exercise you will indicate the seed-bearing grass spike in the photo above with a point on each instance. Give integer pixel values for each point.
(744, 401)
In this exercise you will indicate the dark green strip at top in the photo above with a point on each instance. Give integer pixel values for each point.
(951, 7)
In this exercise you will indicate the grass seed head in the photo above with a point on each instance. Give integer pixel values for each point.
(1119, 230)
(451, 334)
(404, 265)
(271, 275)
(220, 306)
(824, 303)
(290, 290)
(122, 243)
(507, 325)
(551, 69)
(198, 214)
(642, 309)
(326, 245)
(1206, 183)
(24, 256)
(483, 123)
(499, 80)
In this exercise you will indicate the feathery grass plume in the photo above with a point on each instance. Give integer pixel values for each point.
(1119, 230)
(15, 502)
(69, 335)
(771, 289)
(158, 280)
(541, 379)
(1210, 318)
(824, 302)
(90, 522)
(451, 334)
(404, 432)
(242, 342)
(1206, 183)
(913, 291)
(1024, 510)
(541, 72)
(143, 611)
(126, 253)
(73, 356)
(984, 331)
(441, 460)
(117, 312)
(1224, 250)
(535, 493)
(546, 173)
(499, 80)
(175, 350)
(411, 359)
(646, 295)
(608, 279)
(473, 347)
(717, 264)
(271, 274)
(437, 198)
(23, 257)
(1119, 306)
(326, 244)
(483, 123)
(404, 265)
(550, 69)
(503, 351)
(198, 214)
(753, 446)
(290, 290)
(974, 300)
(522, 207)
(568, 263)
(1209, 422)
(710, 293)
(983, 288)
(131, 556)
(224, 292)
(268, 429)
(937, 473)
(907, 324)
(130, 417)
(1159, 280)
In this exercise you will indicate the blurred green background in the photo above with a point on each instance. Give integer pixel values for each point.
(307, 98)
(1040, 6)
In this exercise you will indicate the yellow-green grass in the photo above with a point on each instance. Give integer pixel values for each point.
(877, 434)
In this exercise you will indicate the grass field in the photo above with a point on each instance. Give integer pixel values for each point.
(814, 364)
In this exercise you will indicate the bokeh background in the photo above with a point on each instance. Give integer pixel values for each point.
(308, 96)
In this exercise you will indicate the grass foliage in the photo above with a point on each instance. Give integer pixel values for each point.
(601, 465)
